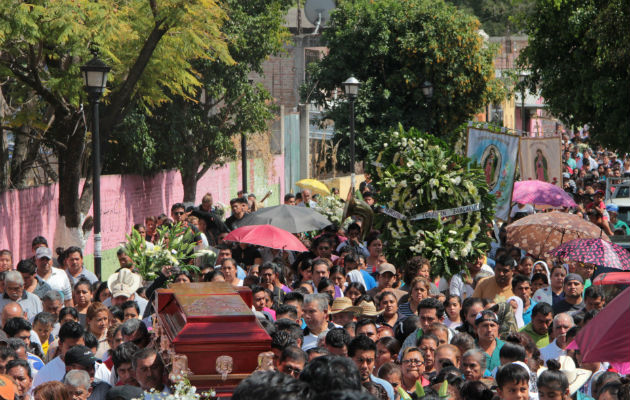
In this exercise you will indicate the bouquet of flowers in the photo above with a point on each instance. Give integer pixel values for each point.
(415, 173)
(332, 208)
(175, 247)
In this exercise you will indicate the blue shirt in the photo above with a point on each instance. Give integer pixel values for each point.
(386, 385)
(527, 314)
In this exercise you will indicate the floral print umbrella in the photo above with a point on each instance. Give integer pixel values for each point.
(538, 234)
(594, 251)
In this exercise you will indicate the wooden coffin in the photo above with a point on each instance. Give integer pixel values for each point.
(209, 321)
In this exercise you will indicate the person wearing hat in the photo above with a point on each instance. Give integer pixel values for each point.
(343, 312)
(123, 285)
(573, 301)
(386, 281)
(617, 224)
(561, 379)
(487, 329)
(82, 359)
(56, 278)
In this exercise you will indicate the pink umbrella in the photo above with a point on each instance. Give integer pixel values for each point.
(543, 193)
(607, 337)
(266, 236)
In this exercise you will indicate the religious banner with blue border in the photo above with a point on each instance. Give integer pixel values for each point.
(497, 154)
(541, 159)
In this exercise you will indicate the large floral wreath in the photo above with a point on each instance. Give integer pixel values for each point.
(415, 173)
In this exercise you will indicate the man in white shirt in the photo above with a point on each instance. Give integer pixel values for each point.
(561, 325)
(315, 313)
(56, 278)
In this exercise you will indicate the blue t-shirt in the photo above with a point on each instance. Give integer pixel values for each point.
(527, 314)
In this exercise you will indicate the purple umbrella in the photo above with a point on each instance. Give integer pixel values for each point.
(594, 251)
(543, 193)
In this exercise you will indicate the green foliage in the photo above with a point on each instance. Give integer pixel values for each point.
(415, 173)
(497, 17)
(132, 148)
(197, 130)
(176, 247)
(579, 57)
(393, 47)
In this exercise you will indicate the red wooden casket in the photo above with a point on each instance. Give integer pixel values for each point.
(206, 321)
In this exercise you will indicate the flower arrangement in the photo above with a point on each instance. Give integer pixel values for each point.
(415, 173)
(175, 247)
(332, 208)
(183, 390)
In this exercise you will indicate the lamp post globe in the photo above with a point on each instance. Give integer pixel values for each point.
(95, 79)
(427, 89)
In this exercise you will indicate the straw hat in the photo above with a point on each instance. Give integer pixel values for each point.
(577, 377)
(369, 310)
(124, 283)
(344, 304)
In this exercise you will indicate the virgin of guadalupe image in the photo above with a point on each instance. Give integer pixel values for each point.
(540, 166)
(490, 165)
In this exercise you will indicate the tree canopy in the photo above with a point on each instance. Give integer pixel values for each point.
(579, 57)
(148, 44)
(194, 132)
(393, 47)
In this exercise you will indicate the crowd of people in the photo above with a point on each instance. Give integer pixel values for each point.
(344, 322)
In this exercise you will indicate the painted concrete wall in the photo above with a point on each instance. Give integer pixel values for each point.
(126, 200)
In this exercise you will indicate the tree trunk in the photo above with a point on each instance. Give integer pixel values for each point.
(189, 178)
(68, 231)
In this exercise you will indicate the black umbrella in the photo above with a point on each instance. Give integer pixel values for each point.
(293, 219)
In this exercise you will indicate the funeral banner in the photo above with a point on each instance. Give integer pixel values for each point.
(541, 159)
(496, 153)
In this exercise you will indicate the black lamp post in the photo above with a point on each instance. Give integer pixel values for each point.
(427, 92)
(244, 156)
(95, 79)
(351, 87)
(521, 80)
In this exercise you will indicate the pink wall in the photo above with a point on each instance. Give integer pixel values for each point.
(125, 200)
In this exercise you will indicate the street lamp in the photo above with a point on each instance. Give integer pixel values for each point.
(244, 155)
(521, 80)
(427, 91)
(351, 87)
(95, 80)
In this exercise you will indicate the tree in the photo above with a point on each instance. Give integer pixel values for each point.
(147, 43)
(497, 17)
(393, 47)
(579, 57)
(196, 132)
(414, 173)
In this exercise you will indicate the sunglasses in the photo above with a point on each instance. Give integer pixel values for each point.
(179, 213)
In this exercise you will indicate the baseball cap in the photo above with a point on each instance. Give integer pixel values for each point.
(80, 355)
(601, 192)
(386, 267)
(7, 388)
(42, 252)
(124, 392)
(573, 277)
(486, 315)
